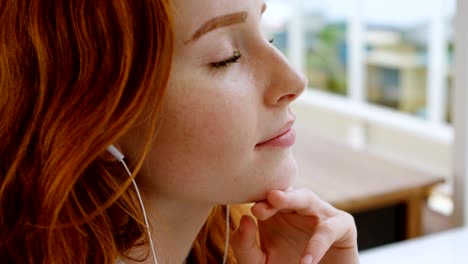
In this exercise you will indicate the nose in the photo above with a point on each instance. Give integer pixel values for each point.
(284, 83)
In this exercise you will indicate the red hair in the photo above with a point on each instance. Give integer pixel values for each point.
(75, 75)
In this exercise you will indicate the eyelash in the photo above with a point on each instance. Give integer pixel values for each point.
(233, 59)
(224, 63)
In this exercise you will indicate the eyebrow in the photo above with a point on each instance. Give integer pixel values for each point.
(221, 21)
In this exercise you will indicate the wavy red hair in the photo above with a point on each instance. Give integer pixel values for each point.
(75, 75)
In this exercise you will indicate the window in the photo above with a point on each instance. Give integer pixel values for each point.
(326, 49)
(396, 55)
(396, 38)
(401, 58)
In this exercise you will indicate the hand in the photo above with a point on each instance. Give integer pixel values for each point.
(296, 226)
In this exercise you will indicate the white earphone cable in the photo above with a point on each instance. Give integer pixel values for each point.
(144, 212)
(119, 156)
(226, 246)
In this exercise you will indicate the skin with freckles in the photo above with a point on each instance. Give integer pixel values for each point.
(229, 90)
(214, 116)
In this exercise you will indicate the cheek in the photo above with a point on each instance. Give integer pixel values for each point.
(206, 134)
(213, 115)
(218, 124)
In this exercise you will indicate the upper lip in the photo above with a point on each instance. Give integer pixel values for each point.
(284, 129)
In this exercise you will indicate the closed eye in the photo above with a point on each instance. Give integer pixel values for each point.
(224, 63)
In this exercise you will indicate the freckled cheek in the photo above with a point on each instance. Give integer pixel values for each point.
(212, 125)
(220, 126)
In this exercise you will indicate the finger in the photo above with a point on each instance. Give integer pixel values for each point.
(303, 201)
(319, 244)
(244, 242)
(263, 210)
(336, 231)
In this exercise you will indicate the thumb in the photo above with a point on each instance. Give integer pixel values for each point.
(244, 243)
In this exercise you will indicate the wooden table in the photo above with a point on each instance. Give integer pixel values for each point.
(358, 181)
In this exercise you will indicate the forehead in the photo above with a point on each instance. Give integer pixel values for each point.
(190, 15)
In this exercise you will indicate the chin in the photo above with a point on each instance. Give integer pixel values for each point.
(281, 177)
(285, 176)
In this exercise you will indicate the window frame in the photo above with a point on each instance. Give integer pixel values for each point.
(460, 108)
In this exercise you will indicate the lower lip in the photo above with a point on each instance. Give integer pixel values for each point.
(284, 141)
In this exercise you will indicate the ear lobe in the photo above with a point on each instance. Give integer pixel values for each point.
(109, 157)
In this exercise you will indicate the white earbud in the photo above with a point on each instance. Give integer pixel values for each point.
(115, 152)
(119, 156)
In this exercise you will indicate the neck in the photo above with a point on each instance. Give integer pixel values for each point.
(175, 225)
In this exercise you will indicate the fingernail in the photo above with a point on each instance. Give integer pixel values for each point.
(307, 259)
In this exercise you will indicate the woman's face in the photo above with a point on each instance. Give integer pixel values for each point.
(229, 90)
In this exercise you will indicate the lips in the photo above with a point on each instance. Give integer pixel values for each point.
(284, 137)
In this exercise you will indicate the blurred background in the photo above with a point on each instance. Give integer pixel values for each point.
(375, 125)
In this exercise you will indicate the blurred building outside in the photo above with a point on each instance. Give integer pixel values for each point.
(397, 68)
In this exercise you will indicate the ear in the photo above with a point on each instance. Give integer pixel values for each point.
(107, 156)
